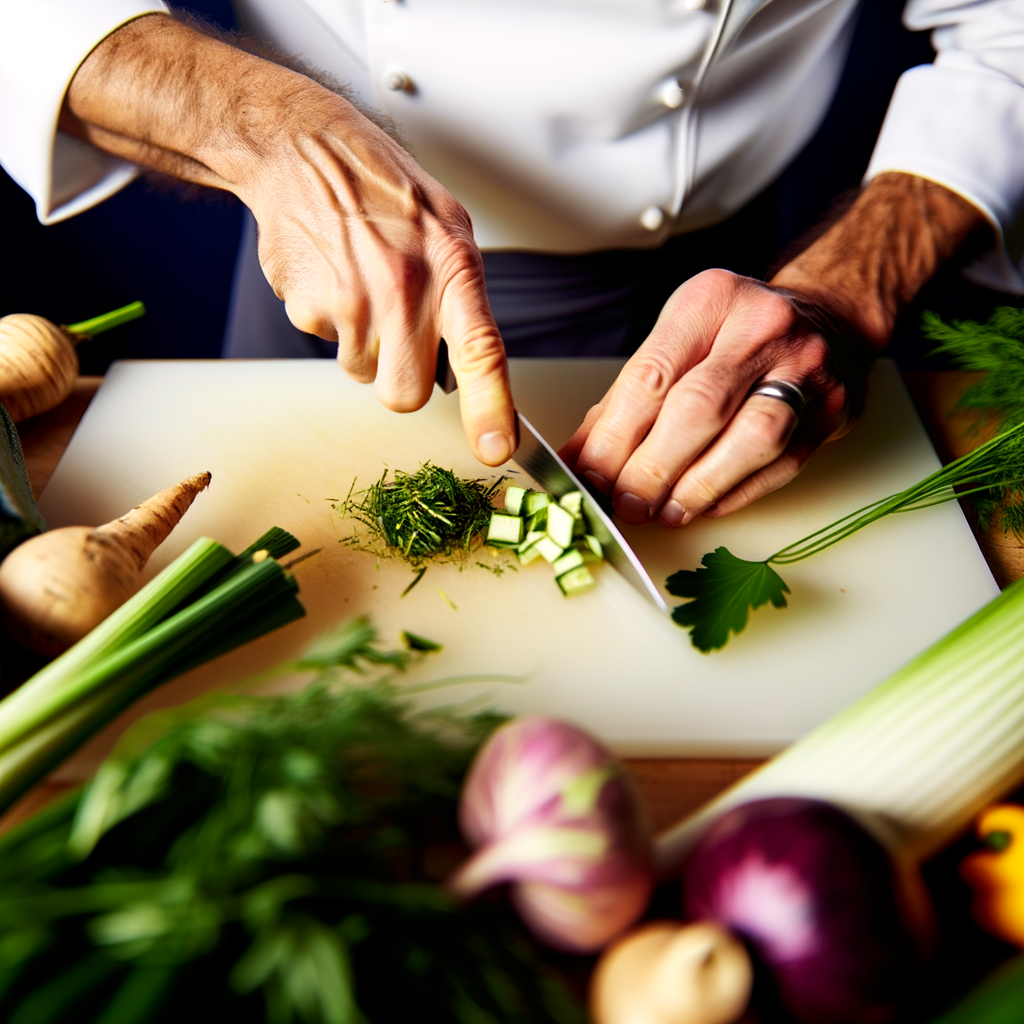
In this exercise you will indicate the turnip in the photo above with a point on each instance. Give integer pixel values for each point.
(38, 360)
(57, 586)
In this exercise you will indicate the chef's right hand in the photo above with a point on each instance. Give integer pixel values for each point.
(366, 249)
(363, 246)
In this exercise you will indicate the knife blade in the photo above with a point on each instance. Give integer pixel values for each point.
(538, 459)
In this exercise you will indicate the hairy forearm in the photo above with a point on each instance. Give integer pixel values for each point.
(876, 258)
(160, 94)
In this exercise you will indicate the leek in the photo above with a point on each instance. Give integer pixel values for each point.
(918, 756)
(204, 604)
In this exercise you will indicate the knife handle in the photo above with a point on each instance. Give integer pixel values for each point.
(443, 375)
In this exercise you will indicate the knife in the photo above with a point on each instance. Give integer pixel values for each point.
(539, 460)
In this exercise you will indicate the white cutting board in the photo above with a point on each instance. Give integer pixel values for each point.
(284, 439)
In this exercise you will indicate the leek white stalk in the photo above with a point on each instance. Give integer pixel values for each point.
(917, 757)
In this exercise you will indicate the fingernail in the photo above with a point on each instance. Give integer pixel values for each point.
(672, 513)
(494, 447)
(604, 486)
(633, 509)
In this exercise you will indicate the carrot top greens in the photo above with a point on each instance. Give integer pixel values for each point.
(427, 516)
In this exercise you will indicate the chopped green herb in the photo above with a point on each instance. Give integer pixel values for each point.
(419, 643)
(728, 587)
(427, 516)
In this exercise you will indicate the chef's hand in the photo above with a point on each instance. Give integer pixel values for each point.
(363, 246)
(676, 435)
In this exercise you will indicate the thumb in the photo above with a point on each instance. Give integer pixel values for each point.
(477, 356)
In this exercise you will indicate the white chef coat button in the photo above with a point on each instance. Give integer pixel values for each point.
(397, 81)
(672, 94)
(652, 218)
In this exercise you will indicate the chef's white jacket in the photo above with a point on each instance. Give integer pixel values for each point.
(578, 125)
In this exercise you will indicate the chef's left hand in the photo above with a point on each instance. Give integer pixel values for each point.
(676, 435)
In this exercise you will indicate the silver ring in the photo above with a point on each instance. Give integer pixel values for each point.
(783, 391)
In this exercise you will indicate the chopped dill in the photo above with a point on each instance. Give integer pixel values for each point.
(996, 350)
(427, 516)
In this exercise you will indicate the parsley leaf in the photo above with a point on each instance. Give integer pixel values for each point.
(724, 592)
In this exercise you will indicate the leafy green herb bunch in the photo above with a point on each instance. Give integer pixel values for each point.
(996, 350)
(272, 859)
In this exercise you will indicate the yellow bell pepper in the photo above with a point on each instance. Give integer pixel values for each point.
(996, 874)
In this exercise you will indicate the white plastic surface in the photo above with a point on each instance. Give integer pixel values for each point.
(284, 441)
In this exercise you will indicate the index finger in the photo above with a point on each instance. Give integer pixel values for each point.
(477, 356)
(682, 336)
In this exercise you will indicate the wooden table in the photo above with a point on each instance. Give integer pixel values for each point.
(672, 787)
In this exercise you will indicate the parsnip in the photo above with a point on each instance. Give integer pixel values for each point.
(38, 365)
(54, 588)
(38, 360)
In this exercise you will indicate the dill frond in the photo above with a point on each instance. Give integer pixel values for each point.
(996, 350)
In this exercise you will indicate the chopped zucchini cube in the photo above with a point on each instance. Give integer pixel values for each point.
(538, 520)
(534, 501)
(560, 525)
(531, 538)
(548, 549)
(579, 527)
(591, 548)
(514, 500)
(572, 502)
(576, 581)
(504, 530)
(570, 560)
(528, 554)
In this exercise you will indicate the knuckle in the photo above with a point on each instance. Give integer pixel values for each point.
(402, 389)
(767, 423)
(705, 396)
(480, 352)
(311, 320)
(702, 488)
(653, 372)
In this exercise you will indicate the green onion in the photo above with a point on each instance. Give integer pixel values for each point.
(922, 753)
(204, 604)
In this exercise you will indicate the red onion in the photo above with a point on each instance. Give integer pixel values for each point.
(549, 810)
(815, 896)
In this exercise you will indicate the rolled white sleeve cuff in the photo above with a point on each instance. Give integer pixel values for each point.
(42, 43)
(964, 130)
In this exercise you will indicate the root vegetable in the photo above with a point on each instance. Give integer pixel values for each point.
(665, 973)
(58, 586)
(38, 361)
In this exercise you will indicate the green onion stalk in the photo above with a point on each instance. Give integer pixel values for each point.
(205, 603)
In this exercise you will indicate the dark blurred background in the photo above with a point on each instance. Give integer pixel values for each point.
(177, 254)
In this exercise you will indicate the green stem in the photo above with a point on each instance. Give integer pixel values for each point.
(245, 596)
(98, 324)
(155, 601)
(246, 606)
(974, 471)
